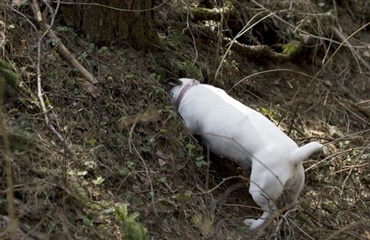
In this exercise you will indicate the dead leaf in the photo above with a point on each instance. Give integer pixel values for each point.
(90, 88)
(150, 115)
(18, 3)
(161, 162)
(162, 155)
(317, 133)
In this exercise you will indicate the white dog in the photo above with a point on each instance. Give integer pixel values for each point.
(239, 133)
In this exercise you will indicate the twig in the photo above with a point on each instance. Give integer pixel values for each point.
(349, 168)
(239, 46)
(271, 71)
(38, 17)
(302, 32)
(218, 185)
(283, 218)
(328, 159)
(339, 47)
(149, 179)
(191, 32)
(355, 101)
(318, 222)
(63, 52)
(354, 52)
(344, 229)
(302, 231)
(229, 190)
(131, 132)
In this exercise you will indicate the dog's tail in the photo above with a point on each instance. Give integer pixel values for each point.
(302, 153)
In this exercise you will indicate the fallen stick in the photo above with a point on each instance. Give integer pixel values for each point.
(36, 9)
(62, 50)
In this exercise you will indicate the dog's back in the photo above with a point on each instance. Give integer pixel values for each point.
(228, 127)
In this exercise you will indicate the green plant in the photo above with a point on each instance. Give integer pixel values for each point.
(190, 147)
(270, 113)
(183, 197)
(149, 146)
(98, 181)
(199, 162)
(130, 228)
(129, 165)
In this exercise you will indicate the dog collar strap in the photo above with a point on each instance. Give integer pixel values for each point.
(184, 91)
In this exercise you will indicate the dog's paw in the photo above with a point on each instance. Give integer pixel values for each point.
(253, 224)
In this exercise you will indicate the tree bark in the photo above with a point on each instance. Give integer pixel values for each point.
(106, 22)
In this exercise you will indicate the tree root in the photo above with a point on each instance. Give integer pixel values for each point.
(260, 52)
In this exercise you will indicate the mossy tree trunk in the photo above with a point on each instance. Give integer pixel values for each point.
(106, 22)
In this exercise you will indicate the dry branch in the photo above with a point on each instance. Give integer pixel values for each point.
(354, 52)
(343, 89)
(198, 14)
(62, 50)
(261, 52)
(215, 14)
(39, 18)
(355, 100)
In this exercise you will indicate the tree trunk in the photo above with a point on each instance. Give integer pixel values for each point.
(106, 22)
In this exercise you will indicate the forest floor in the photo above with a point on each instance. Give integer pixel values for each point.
(135, 172)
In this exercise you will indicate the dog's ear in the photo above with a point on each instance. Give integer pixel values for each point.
(174, 82)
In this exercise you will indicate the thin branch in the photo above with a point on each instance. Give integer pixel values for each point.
(38, 17)
(350, 46)
(245, 29)
(62, 50)
(113, 8)
(339, 47)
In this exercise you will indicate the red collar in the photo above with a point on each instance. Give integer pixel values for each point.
(184, 90)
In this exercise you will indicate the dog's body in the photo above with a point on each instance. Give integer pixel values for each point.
(239, 133)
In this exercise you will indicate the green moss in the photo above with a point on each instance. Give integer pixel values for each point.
(290, 49)
(215, 14)
(9, 78)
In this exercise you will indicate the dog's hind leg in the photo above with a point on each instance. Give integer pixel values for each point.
(294, 187)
